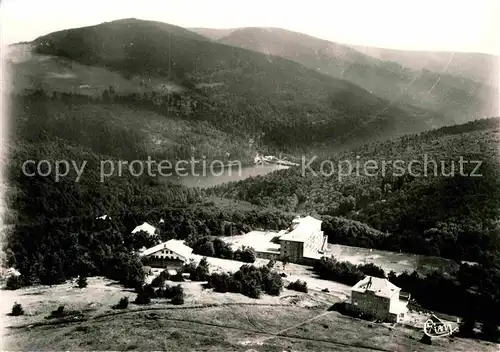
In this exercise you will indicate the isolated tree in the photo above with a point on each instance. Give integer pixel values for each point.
(105, 95)
(252, 289)
(273, 284)
(123, 303)
(13, 282)
(222, 249)
(202, 271)
(285, 260)
(207, 249)
(300, 286)
(245, 254)
(143, 298)
(371, 269)
(132, 273)
(177, 295)
(59, 312)
(271, 264)
(159, 281)
(17, 310)
(82, 281)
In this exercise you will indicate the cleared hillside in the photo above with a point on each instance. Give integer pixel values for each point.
(30, 70)
(209, 321)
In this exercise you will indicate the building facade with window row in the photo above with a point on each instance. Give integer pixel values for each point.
(380, 298)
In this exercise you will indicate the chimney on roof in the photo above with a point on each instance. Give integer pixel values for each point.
(369, 284)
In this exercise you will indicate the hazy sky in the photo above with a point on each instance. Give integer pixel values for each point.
(454, 25)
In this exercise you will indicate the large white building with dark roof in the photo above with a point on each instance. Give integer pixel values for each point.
(303, 241)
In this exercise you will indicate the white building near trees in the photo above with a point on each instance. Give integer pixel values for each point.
(380, 298)
(170, 254)
(149, 229)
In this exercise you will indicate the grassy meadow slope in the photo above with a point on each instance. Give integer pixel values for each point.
(256, 92)
(30, 70)
(453, 94)
(209, 321)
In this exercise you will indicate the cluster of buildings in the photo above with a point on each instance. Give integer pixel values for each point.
(271, 159)
(303, 242)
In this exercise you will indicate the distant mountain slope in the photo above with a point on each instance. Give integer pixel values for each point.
(476, 66)
(213, 33)
(459, 98)
(242, 91)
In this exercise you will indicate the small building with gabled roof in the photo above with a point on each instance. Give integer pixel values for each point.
(103, 217)
(380, 298)
(145, 227)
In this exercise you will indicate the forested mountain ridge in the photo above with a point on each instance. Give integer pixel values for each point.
(429, 80)
(242, 91)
